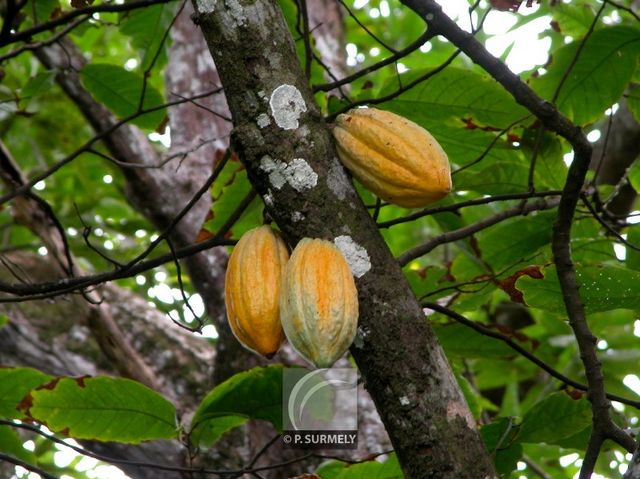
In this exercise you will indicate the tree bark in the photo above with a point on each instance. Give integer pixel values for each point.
(287, 149)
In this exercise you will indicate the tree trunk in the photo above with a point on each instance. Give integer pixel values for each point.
(287, 149)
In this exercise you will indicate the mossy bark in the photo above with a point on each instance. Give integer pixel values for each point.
(290, 157)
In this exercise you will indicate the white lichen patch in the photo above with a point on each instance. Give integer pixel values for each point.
(297, 173)
(337, 180)
(268, 198)
(275, 169)
(287, 105)
(356, 255)
(404, 401)
(296, 216)
(236, 12)
(263, 120)
(300, 175)
(206, 6)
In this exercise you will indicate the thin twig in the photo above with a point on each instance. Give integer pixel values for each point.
(465, 231)
(464, 204)
(481, 329)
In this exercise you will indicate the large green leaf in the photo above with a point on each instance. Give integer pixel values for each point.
(455, 93)
(121, 90)
(102, 408)
(599, 76)
(253, 394)
(464, 342)
(516, 239)
(497, 166)
(15, 383)
(555, 418)
(602, 288)
(573, 19)
(147, 28)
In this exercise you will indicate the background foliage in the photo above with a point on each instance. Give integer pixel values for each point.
(500, 276)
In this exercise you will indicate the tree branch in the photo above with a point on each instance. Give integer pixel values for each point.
(464, 232)
(553, 120)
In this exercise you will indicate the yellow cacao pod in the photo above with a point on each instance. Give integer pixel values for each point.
(392, 157)
(319, 302)
(252, 290)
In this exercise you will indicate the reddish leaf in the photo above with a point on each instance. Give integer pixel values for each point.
(508, 285)
(204, 235)
(507, 5)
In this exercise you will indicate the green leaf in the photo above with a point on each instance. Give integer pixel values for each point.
(499, 440)
(4, 320)
(11, 443)
(556, 417)
(599, 76)
(253, 394)
(389, 469)
(41, 10)
(147, 28)
(455, 93)
(602, 288)
(120, 90)
(516, 239)
(103, 409)
(633, 256)
(15, 383)
(38, 84)
(573, 20)
(228, 191)
(633, 103)
(634, 174)
(464, 342)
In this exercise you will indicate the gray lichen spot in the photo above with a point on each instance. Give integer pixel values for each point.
(287, 105)
(206, 6)
(268, 198)
(298, 174)
(404, 401)
(337, 180)
(296, 216)
(263, 120)
(356, 255)
(236, 12)
(275, 170)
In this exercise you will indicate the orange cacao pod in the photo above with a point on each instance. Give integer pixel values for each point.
(252, 290)
(392, 157)
(319, 302)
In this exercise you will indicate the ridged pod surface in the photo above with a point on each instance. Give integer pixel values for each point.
(392, 157)
(319, 302)
(252, 290)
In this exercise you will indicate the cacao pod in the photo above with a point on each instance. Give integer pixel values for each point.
(252, 290)
(392, 157)
(319, 302)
